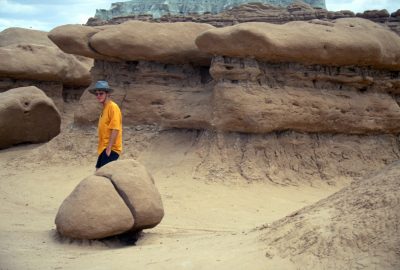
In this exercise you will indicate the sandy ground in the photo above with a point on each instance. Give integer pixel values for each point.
(206, 224)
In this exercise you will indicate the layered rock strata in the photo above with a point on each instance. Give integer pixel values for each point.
(154, 69)
(317, 76)
(331, 90)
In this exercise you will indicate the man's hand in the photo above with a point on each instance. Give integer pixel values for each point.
(108, 151)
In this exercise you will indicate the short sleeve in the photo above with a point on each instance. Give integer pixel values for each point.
(115, 118)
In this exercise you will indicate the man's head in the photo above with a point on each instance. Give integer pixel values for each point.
(101, 90)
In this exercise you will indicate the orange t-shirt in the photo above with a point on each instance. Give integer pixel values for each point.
(110, 118)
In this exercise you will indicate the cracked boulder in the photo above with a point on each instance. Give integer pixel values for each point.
(120, 197)
(28, 106)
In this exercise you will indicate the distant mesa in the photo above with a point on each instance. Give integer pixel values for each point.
(159, 8)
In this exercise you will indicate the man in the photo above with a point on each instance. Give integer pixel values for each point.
(109, 127)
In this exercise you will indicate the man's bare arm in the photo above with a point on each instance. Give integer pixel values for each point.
(113, 137)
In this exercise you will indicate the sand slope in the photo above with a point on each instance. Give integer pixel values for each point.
(356, 228)
(218, 191)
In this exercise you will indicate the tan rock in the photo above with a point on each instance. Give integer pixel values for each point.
(350, 41)
(163, 42)
(29, 54)
(137, 188)
(44, 63)
(74, 39)
(252, 108)
(16, 35)
(27, 115)
(93, 210)
(150, 93)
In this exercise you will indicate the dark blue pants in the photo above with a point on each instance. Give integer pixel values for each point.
(104, 159)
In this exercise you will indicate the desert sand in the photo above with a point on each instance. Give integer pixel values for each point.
(208, 223)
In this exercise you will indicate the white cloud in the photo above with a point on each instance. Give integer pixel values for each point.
(33, 24)
(45, 15)
(362, 5)
(16, 8)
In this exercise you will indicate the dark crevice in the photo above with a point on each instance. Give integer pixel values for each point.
(124, 197)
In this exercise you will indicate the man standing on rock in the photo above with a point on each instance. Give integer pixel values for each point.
(109, 127)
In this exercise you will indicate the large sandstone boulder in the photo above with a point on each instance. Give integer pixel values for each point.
(45, 64)
(16, 35)
(344, 42)
(29, 54)
(136, 186)
(74, 39)
(120, 197)
(27, 115)
(135, 40)
(93, 210)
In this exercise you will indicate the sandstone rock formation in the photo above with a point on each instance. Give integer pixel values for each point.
(93, 210)
(137, 188)
(27, 115)
(28, 57)
(74, 39)
(345, 42)
(135, 40)
(358, 225)
(119, 198)
(265, 78)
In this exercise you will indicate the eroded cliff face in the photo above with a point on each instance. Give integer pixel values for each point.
(158, 8)
(268, 80)
(260, 12)
(260, 97)
(288, 114)
(169, 95)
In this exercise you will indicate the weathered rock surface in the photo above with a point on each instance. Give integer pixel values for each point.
(317, 76)
(344, 42)
(134, 40)
(258, 97)
(74, 39)
(27, 115)
(136, 186)
(153, 93)
(251, 96)
(252, 108)
(93, 210)
(45, 64)
(119, 198)
(16, 35)
(358, 225)
(36, 58)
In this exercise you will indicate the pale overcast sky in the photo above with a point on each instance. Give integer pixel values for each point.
(45, 15)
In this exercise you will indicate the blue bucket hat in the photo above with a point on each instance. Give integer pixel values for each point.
(101, 86)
